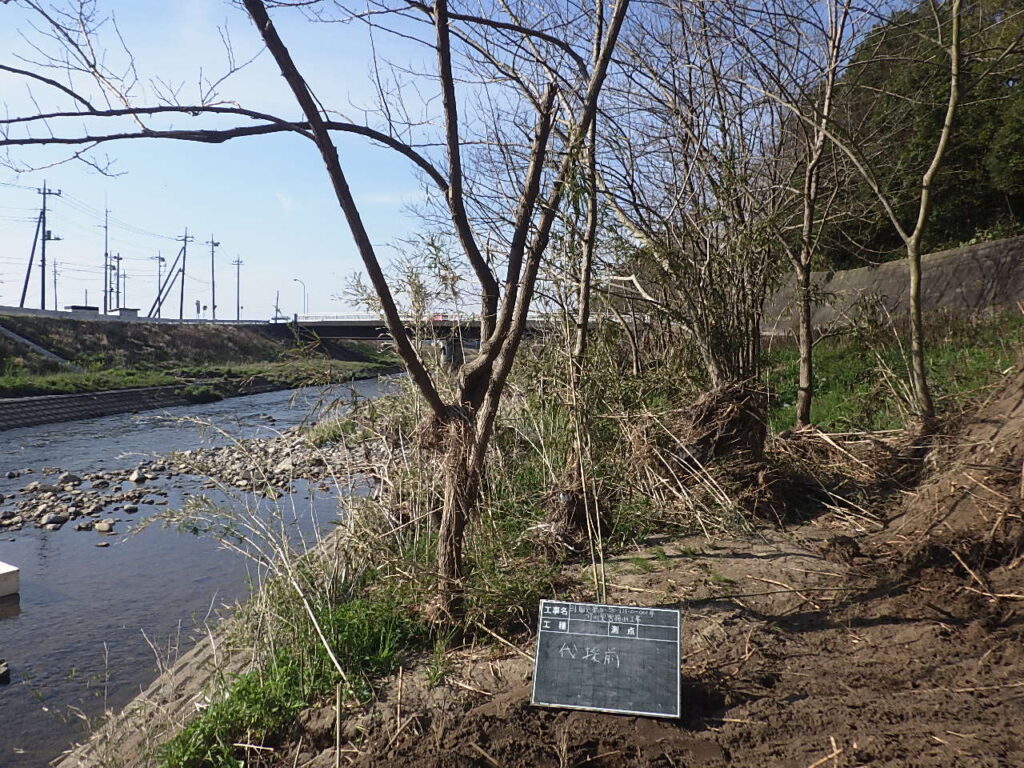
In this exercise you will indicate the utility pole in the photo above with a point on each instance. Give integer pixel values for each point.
(184, 240)
(159, 278)
(31, 259)
(238, 288)
(107, 289)
(213, 278)
(106, 259)
(47, 236)
(54, 285)
(117, 279)
(124, 291)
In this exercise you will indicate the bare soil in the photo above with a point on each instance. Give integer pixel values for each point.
(831, 644)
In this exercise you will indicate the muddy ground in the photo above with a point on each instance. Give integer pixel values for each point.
(884, 637)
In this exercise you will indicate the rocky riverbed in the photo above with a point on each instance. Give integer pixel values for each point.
(97, 501)
(93, 501)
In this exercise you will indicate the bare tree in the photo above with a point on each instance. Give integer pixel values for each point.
(513, 58)
(798, 50)
(948, 39)
(688, 169)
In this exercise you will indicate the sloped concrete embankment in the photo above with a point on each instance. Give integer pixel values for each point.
(49, 409)
(46, 409)
(131, 738)
(963, 280)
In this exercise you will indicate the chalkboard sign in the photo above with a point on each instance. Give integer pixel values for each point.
(607, 658)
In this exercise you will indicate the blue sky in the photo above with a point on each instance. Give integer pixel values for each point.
(266, 200)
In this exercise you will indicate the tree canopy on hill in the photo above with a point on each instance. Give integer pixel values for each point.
(891, 103)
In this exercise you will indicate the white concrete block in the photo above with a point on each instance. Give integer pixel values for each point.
(9, 578)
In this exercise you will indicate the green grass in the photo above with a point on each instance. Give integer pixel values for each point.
(641, 564)
(227, 378)
(369, 638)
(860, 376)
(24, 385)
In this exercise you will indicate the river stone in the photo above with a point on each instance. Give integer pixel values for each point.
(101, 483)
(85, 525)
(55, 518)
(138, 477)
(13, 474)
(52, 526)
(102, 543)
(69, 478)
(38, 487)
(103, 527)
(285, 465)
(131, 508)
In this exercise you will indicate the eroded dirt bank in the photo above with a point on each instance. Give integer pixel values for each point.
(888, 637)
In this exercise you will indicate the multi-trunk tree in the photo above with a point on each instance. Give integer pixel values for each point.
(687, 166)
(516, 89)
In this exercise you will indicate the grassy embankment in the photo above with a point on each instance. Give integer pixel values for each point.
(373, 617)
(210, 361)
(861, 379)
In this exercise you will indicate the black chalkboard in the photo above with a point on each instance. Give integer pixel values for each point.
(608, 658)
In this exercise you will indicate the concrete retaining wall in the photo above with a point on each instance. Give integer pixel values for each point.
(47, 409)
(29, 411)
(964, 279)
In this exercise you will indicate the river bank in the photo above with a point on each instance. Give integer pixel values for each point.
(98, 588)
(193, 387)
(42, 356)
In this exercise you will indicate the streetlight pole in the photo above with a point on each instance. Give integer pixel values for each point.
(305, 303)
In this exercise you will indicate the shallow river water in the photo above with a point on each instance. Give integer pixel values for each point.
(78, 638)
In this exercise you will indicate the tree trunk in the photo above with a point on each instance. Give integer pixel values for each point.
(461, 489)
(918, 374)
(805, 340)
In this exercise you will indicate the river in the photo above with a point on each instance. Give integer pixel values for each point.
(80, 637)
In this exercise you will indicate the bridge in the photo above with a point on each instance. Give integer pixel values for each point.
(367, 326)
(324, 326)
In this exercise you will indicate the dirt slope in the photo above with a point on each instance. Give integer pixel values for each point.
(817, 647)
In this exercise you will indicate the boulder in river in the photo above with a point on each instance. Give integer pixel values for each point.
(54, 518)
